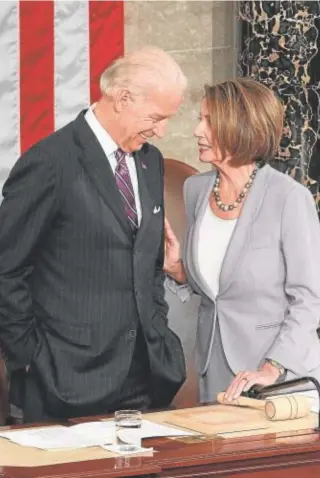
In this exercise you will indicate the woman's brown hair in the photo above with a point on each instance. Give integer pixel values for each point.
(246, 119)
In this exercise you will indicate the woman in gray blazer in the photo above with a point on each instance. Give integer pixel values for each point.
(251, 250)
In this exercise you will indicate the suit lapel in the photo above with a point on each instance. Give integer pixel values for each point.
(241, 234)
(98, 168)
(145, 198)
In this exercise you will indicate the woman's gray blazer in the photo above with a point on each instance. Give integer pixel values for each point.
(269, 297)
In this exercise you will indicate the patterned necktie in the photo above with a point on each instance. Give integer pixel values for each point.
(125, 187)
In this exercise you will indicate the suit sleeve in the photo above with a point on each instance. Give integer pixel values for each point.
(29, 204)
(296, 347)
(160, 303)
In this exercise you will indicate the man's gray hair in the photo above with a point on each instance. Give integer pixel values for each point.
(142, 69)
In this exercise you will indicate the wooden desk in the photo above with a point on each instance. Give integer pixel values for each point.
(293, 454)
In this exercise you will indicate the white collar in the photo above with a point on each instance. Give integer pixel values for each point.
(102, 135)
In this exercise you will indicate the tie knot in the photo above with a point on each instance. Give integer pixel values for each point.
(120, 155)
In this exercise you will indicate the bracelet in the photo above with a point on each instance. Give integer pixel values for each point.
(276, 365)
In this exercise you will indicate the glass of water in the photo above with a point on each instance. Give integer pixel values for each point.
(128, 430)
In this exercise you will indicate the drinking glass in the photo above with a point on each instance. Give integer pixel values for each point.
(128, 430)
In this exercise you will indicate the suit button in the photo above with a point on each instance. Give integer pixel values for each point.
(132, 333)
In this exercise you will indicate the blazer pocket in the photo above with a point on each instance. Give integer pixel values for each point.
(77, 335)
(269, 326)
(264, 242)
(71, 332)
(262, 245)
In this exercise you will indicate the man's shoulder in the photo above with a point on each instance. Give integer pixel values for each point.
(58, 149)
(56, 140)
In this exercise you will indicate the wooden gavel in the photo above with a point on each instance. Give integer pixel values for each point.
(286, 407)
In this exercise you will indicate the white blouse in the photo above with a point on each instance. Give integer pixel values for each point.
(214, 237)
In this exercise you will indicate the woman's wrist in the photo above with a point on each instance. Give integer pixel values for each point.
(274, 368)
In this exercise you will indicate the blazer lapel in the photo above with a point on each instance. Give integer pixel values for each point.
(98, 168)
(145, 198)
(241, 234)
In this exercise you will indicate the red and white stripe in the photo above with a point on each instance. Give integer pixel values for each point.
(51, 56)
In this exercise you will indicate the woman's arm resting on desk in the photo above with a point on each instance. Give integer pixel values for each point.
(296, 347)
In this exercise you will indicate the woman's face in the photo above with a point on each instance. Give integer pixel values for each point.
(203, 133)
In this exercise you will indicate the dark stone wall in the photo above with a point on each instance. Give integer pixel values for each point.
(279, 46)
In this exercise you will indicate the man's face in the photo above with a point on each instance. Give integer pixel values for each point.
(143, 117)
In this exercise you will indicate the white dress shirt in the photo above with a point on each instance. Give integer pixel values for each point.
(214, 237)
(110, 147)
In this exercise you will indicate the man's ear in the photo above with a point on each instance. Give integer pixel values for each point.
(122, 99)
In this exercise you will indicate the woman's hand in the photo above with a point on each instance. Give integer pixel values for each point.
(172, 262)
(267, 375)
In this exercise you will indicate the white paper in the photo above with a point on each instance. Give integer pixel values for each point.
(83, 435)
(57, 437)
(148, 429)
(152, 430)
(137, 451)
(102, 432)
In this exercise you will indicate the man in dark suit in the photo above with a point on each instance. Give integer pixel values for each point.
(82, 312)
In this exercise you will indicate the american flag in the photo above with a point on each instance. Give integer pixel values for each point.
(52, 53)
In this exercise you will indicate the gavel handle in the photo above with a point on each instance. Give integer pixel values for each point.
(242, 402)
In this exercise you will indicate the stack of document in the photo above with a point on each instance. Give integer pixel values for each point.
(49, 438)
(83, 435)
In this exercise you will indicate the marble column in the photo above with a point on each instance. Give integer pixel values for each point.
(280, 47)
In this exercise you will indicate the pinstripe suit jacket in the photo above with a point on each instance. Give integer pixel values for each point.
(73, 283)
